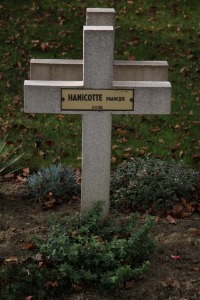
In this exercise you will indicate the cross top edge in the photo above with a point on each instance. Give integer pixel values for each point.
(97, 28)
(100, 10)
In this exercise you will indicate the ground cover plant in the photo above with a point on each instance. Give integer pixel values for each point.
(55, 181)
(82, 251)
(151, 184)
(174, 267)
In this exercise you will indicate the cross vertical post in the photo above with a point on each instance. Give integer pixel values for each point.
(96, 125)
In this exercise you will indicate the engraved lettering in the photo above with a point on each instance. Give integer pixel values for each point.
(85, 97)
(115, 98)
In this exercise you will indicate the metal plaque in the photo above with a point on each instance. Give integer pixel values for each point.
(88, 99)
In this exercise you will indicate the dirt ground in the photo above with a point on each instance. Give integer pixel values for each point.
(175, 266)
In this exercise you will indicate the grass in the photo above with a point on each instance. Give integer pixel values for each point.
(147, 30)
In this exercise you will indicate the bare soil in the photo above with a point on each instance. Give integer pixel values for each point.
(175, 266)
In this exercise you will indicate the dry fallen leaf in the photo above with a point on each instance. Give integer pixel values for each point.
(44, 46)
(77, 172)
(41, 264)
(170, 219)
(154, 130)
(113, 160)
(78, 180)
(26, 171)
(50, 143)
(126, 155)
(195, 269)
(177, 209)
(177, 126)
(76, 198)
(29, 246)
(196, 157)
(9, 176)
(186, 214)
(140, 151)
(52, 283)
(21, 179)
(115, 147)
(183, 201)
(122, 131)
(51, 203)
(41, 153)
(74, 232)
(196, 122)
(176, 147)
(12, 259)
(175, 257)
(132, 58)
(196, 232)
(127, 150)
(77, 287)
(190, 206)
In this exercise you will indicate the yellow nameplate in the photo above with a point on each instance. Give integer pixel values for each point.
(78, 99)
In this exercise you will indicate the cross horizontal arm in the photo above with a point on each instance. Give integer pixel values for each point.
(45, 96)
(72, 70)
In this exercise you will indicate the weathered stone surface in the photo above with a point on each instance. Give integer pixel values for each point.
(149, 97)
(72, 70)
(98, 55)
(100, 17)
(96, 153)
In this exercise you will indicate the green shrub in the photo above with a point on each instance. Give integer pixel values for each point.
(27, 279)
(150, 183)
(85, 251)
(8, 158)
(56, 179)
(102, 254)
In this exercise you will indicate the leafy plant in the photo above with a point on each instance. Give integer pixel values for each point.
(103, 254)
(56, 179)
(81, 250)
(27, 278)
(8, 158)
(150, 183)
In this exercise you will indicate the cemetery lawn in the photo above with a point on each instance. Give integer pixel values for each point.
(174, 267)
(144, 31)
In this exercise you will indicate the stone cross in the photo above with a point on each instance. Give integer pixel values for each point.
(97, 87)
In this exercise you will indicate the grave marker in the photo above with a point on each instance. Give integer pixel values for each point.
(94, 94)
